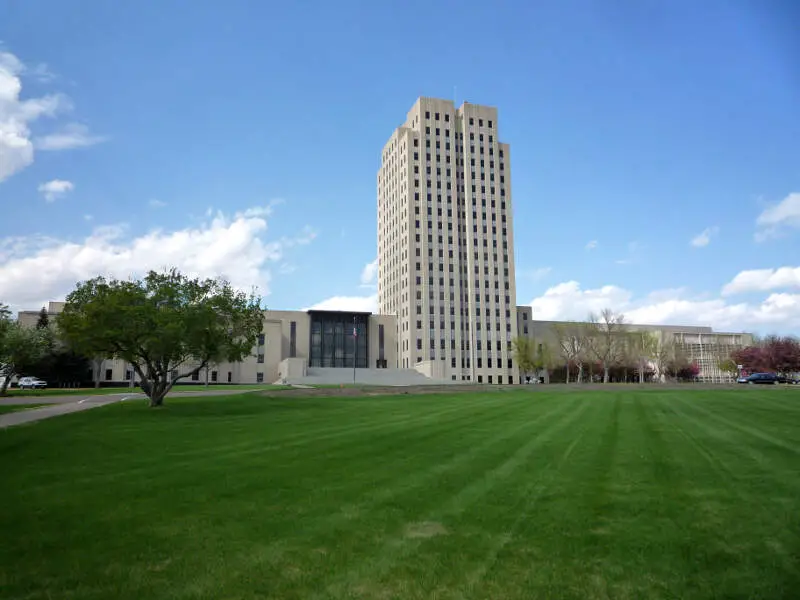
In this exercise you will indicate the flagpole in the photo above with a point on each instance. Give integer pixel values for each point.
(355, 350)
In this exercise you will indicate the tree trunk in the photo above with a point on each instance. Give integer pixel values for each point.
(605, 374)
(580, 373)
(6, 382)
(158, 391)
(567, 374)
(98, 364)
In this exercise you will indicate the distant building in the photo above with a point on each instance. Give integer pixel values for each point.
(701, 345)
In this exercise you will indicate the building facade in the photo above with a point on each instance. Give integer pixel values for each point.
(290, 343)
(446, 244)
(701, 345)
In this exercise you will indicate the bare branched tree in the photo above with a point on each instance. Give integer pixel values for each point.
(606, 340)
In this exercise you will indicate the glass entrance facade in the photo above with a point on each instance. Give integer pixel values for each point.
(332, 341)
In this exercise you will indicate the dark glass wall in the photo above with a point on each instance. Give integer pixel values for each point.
(332, 341)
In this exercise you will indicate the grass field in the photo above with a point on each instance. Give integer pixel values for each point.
(519, 495)
(17, 393)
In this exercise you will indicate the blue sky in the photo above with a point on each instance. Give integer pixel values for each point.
(243, 138)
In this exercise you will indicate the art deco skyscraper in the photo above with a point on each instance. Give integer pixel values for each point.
(446, 243)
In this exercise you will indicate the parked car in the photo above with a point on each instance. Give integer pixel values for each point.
(788, 379)
(32, 383)
(764, 378)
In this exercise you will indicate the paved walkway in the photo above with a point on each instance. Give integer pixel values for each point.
(64, 405)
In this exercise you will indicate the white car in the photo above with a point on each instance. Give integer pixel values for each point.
(31, 383)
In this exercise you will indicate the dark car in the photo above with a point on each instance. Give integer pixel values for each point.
(766, 378)
(788, 379)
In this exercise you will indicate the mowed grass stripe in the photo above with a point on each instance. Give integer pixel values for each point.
(373, 568)
(347, 533)
(626, 493)
(301, 433)
(751, 486)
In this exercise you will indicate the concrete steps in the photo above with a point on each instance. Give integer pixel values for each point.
(388, 377)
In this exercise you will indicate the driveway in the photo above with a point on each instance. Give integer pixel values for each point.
(64, 405)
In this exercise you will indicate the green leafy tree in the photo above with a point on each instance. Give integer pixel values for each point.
(543, 358)
(166, 325)
(44, 319)
(20, 349)
(524, 356)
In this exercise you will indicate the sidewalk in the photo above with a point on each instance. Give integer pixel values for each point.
(45, 412)
(64, 405)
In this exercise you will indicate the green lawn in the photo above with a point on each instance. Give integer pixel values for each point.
(9, 408)
(520, 495)
(17, 393)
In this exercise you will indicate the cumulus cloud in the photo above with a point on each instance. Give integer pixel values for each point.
(368, 303)
(369, 275)
(703, 238)
(348, 303)
(156, 203)
(34, 270)
(17, 115)
(53, 190)
(778, 218)
(568, 301)
(761, 280)
(591, 245)
(72, 135)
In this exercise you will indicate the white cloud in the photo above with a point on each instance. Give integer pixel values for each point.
(348, 303)
(703, 238)
(568, 301)
(53, 190)
(777, 218)
(591, 245)
(761, 280)
(156, 203)
(34, 269)
(16, 115)
(777, 312)
(73, 135)
(369, 303)
(369, 275)
(87, 217)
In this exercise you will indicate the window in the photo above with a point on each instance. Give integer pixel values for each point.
(195, 376)
(128, 374)
(293, 339)
(214, 376)
(261, 339)
(260, 359)
(230, 376)
(259, 377)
